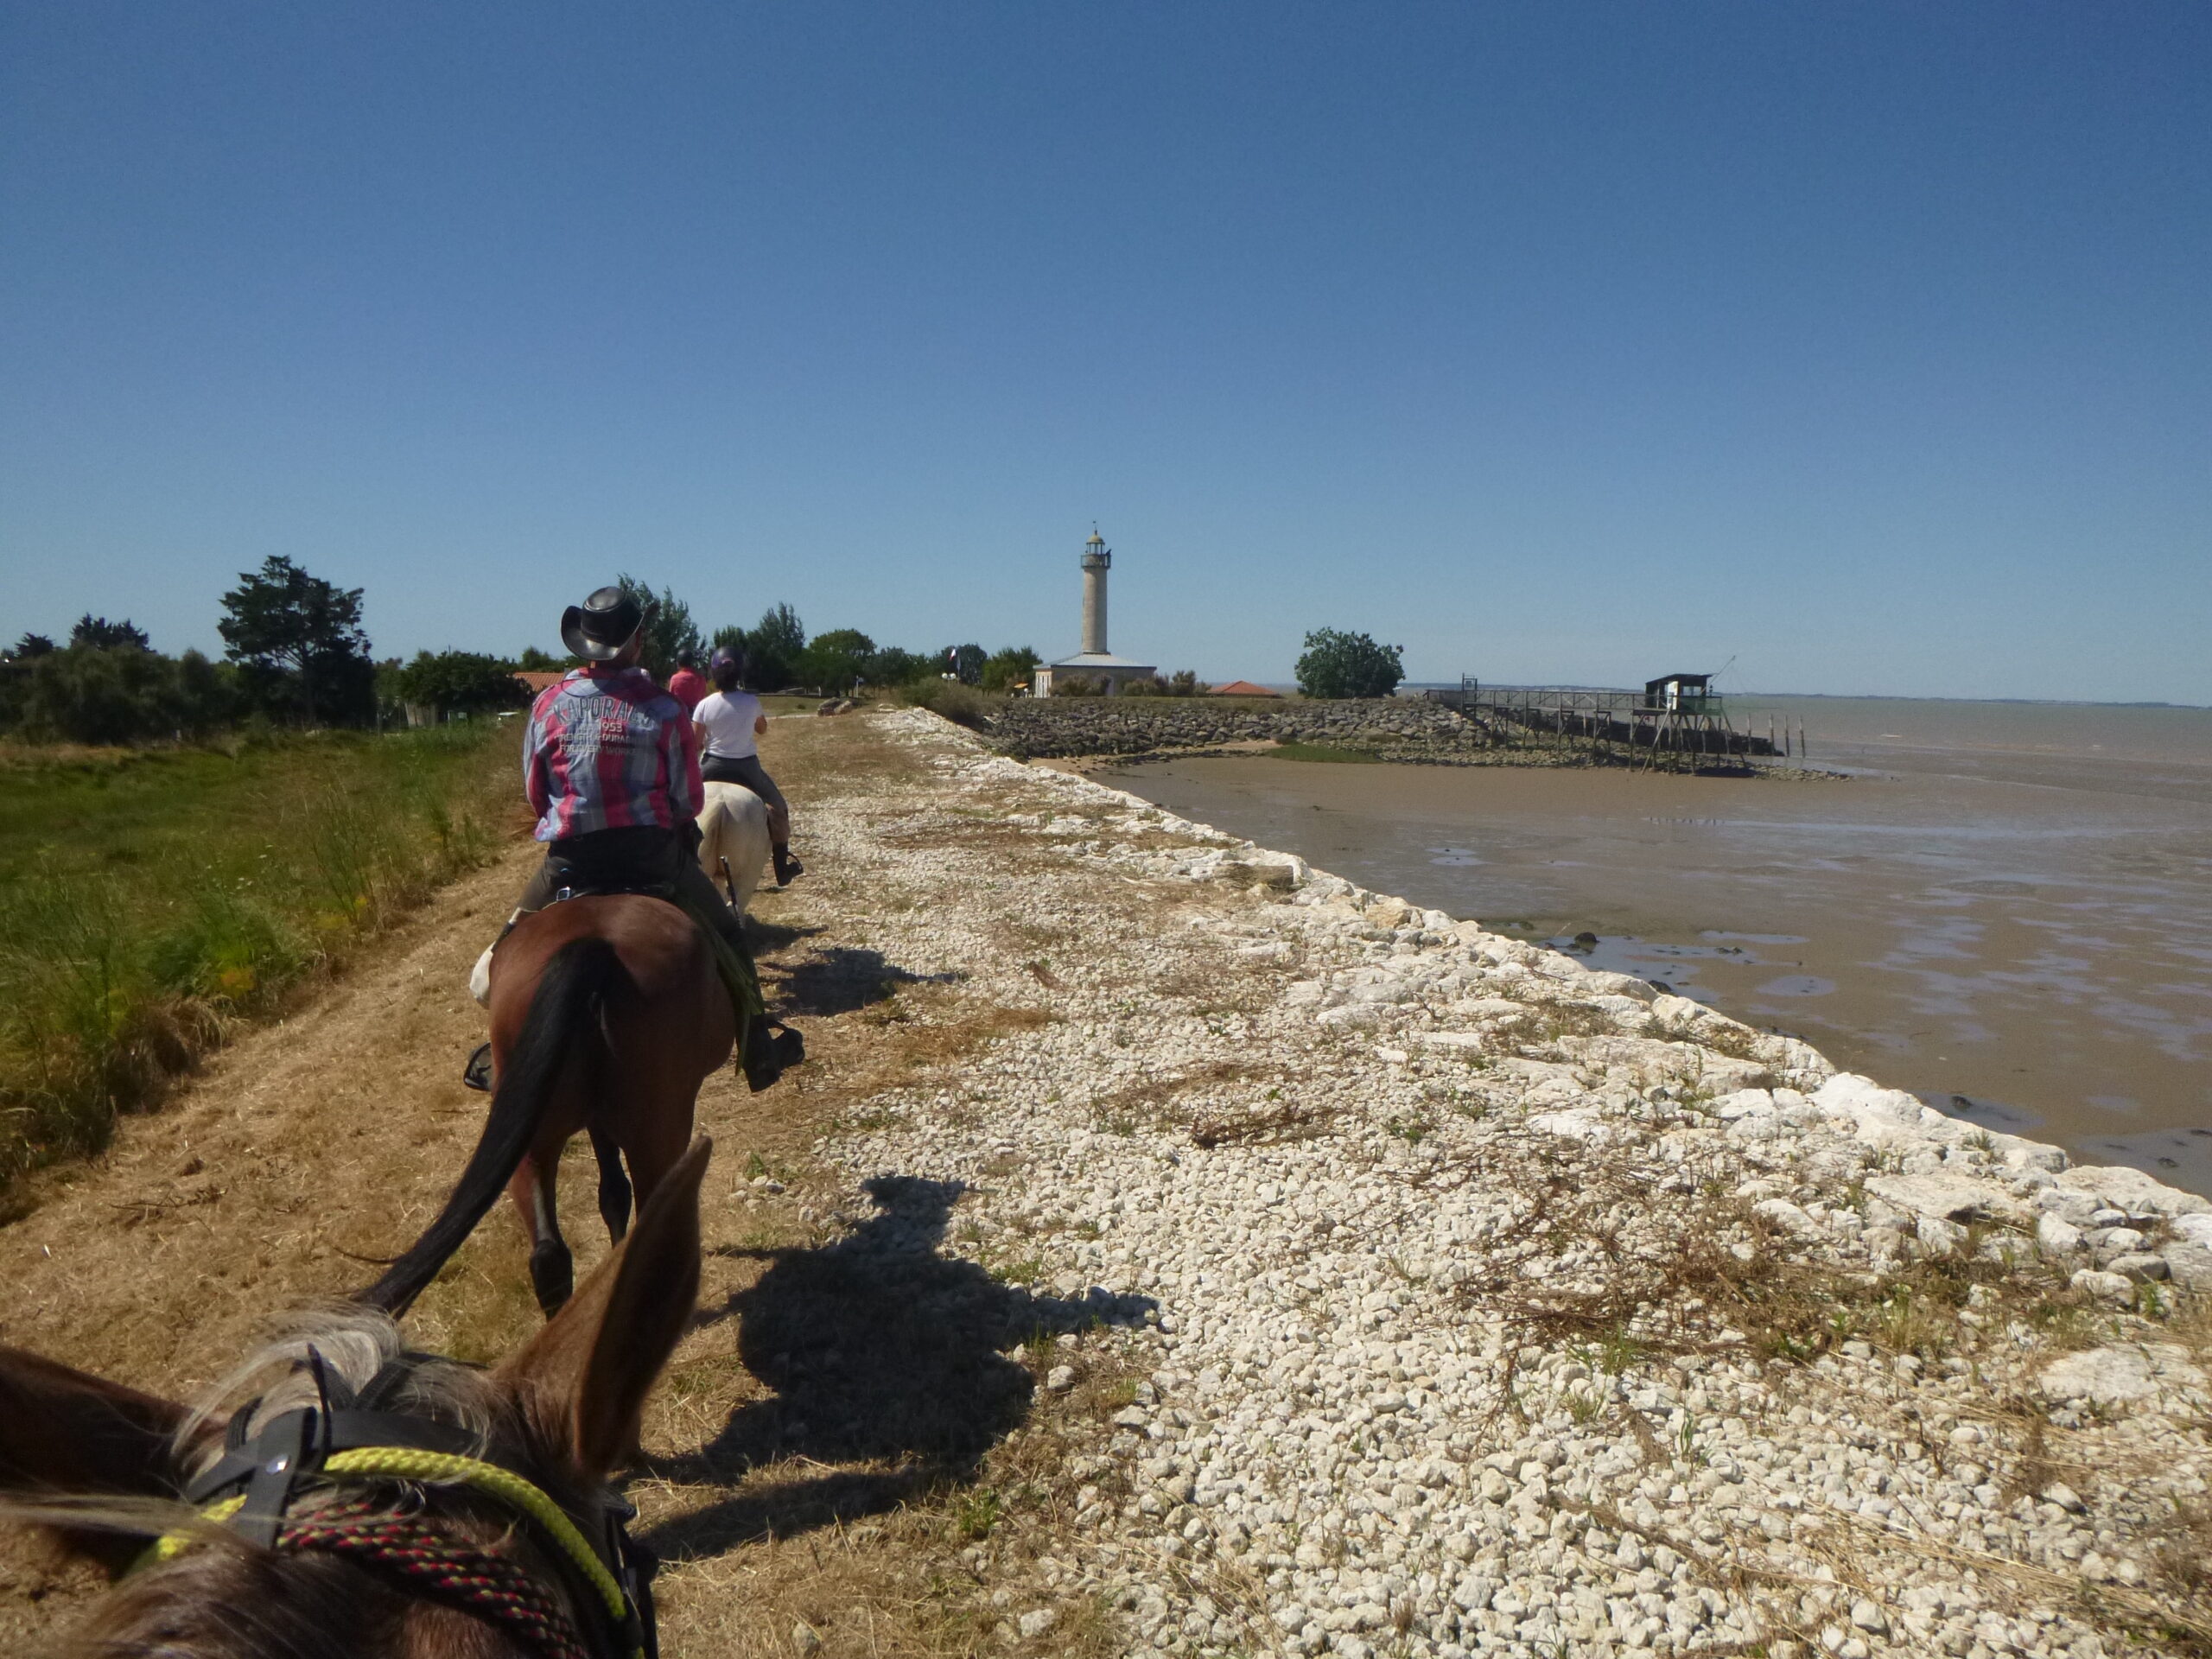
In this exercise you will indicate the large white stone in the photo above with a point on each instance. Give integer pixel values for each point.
(2116, 1375)
(1947, 1197)
(2056, 1236)
(1578, 1124)
(2130, 1190)
(2191, 1264)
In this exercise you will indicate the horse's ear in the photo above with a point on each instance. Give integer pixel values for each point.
(583, 1379)
(65, 1433)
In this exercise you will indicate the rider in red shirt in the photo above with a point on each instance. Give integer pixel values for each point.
(687, 685)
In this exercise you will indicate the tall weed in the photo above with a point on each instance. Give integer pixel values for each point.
(149, 901)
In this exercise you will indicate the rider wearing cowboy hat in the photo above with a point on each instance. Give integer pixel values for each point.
(611, 765)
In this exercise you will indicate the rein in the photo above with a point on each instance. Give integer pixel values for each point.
(251, 1489)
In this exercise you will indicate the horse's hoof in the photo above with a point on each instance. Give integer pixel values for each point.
(766, 1056)
(553, 1276)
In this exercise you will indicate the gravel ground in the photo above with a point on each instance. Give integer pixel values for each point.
(1488, 1304)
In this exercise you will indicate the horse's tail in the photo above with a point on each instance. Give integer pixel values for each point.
(563, 1008)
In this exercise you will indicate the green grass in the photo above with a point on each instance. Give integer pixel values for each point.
(1321, 752)
(150, 898)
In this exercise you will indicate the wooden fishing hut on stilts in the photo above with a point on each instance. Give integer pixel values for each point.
(1677, 722)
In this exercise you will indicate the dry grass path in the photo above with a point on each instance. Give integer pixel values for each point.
(1169, 1247)
(339, 1130)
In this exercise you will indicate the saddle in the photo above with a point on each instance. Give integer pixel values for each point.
(765, 1045)
(613, 886)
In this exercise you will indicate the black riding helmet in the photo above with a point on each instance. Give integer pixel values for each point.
(727, 667)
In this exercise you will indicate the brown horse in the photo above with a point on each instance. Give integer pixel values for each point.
(436, 1556)
(607, 1015)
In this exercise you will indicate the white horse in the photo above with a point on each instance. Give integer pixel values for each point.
(733, 827)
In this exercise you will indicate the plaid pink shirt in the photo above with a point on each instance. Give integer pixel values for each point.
(609, 750)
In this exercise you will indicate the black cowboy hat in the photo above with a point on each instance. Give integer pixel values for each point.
(608, 620)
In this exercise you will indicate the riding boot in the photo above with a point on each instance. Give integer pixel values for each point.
(788, 869)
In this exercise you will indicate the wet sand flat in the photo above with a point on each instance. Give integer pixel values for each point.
(2036, 956)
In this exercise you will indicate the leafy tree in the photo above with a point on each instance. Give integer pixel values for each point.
(1008, 667)
(31, 644)
(534, 661)
(891, 665)
(670, 630)
(98, 633)
(300, 643)
(774, 648)
(1349, 666)
(207, 695)
(965, 663)
(459, 682)
(836, 659)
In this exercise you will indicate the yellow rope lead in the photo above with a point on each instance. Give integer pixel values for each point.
(405, 1463)
(444, 1468)
(170, 1545)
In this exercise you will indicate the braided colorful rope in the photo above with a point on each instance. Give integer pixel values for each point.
(460, 1576)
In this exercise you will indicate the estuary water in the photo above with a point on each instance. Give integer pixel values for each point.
(2004, 907)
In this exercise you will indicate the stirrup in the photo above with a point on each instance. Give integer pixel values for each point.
(788, 869)
(477, 1074)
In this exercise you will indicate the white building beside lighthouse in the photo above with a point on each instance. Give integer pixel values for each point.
(1095, 661)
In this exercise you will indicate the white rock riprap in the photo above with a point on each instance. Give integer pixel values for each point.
(1490, 1305)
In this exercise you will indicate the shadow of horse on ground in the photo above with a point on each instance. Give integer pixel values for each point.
(764, 936)
(840, 980)
(879, 1351)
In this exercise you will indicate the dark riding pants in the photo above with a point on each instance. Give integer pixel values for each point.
(640, 856)
(744, 769)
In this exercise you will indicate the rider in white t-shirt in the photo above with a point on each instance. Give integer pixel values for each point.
(728, 721)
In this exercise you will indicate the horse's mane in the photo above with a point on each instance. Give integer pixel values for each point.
(228, 1605)
(354, 1343)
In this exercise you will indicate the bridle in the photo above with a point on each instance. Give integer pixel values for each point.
(344, 1440)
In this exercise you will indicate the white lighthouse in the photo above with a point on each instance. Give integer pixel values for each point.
(1095, 661)
(1097, 560)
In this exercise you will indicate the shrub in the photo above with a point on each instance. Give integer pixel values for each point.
(1011, 666)
(963, 705)
(1349, 666)
(459, 683)
(90, 694)
(1076, 685)
(1181, 683)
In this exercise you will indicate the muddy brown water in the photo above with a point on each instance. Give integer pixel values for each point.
(2006, 908)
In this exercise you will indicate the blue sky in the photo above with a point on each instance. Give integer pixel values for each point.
(1864, 345)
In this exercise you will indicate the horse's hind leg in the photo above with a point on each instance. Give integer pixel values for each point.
(552, 1270)
(613, 1185)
